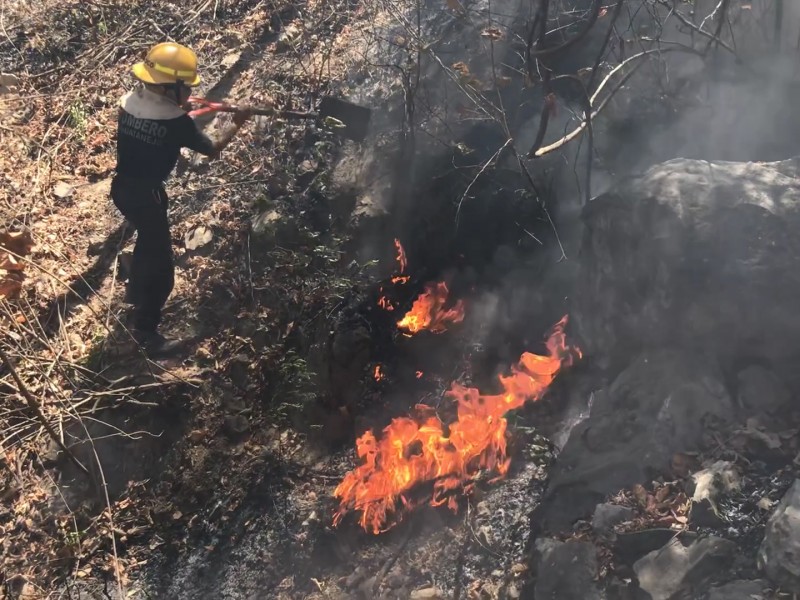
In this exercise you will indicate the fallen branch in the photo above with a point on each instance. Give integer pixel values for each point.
(586, 122)
(577, 131)
(548, 104)
(36, 407)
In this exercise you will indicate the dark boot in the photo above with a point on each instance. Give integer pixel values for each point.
(156, 345)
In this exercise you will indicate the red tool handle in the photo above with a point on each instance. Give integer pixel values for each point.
(207, 106)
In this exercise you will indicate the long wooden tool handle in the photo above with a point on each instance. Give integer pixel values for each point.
(271, 112)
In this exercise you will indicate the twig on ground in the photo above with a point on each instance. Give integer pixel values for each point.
(37, 409)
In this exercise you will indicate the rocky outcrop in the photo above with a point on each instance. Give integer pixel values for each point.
(779, 555)
(677, 571)
(697, 255)
(658, 406)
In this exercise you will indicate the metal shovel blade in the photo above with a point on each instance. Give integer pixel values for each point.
(355, 119)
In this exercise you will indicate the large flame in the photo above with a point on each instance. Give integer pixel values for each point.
(429, 312)
(415, 451)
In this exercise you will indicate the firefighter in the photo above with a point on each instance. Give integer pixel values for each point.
(152, 128)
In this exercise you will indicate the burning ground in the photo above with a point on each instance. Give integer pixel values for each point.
(431, 365)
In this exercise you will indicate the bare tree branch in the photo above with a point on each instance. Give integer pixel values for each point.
(593, 16)
(33, 403)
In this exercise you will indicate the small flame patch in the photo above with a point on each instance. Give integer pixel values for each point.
(402, 261)
(429, 313)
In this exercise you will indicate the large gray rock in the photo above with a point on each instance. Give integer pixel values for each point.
(662, 404)
(677, 571)
(567, 571)
(779, 555)
(695, 254)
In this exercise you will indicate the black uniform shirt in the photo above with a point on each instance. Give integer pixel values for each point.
(151, 131)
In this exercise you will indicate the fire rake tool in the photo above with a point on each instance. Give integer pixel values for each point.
(350, 120)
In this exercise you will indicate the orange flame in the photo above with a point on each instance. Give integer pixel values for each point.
(419, 374)
(378, 374)
(451, 456)
(401, 256)
(428, 311)
(384, 302)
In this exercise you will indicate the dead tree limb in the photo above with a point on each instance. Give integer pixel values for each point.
(534, 52)
(596, 67)
(593, 16)
(586, 105)
(723, 12)
(536, 35)
(36, 407)
(579, 129)
(548, 104)
(682, 18)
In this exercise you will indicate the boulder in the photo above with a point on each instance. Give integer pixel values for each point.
(677, 571)
(630, 546)
(739, 590)
(696, 255)
(567, 571)
(779, 555)
(662, 404)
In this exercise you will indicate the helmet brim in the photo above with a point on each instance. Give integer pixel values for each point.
(146, 74)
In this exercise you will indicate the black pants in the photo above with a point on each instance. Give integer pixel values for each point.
(152, 273)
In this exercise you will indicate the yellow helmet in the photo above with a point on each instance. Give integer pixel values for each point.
(166, 63)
